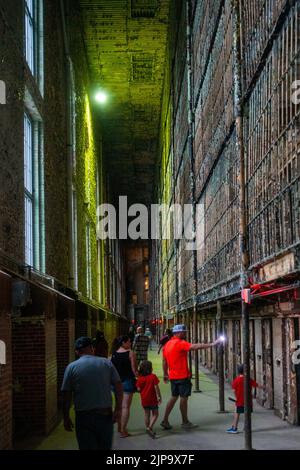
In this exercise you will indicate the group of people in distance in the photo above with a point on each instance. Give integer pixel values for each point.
(93, 377)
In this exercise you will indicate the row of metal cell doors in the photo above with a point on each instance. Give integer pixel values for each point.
(297, 368)
(271, 347)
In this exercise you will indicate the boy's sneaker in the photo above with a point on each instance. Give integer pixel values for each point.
(189, 425)
(232, 430)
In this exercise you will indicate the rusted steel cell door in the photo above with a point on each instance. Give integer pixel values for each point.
(278, 366)
(293, 371)
(226, 350)
(205, 351)
(237, 350)
(297, 366)
(259, 360)
(267, 348)
(231, 356)
(210, 340)
(252, 351)
(199, 336)
(214, 350)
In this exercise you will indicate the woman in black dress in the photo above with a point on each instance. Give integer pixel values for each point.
(124, 361)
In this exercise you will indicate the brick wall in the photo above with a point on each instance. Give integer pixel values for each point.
(11, 130)
(38, 357)
(94, 315)
(81, 322)
(52, 109)
(50, 372)
(5, 370)
(65, 336)
(34, 365)
(56, 151)
(29, 375)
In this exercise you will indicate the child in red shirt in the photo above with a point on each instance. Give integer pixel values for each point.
(147, 384)
(238, 387)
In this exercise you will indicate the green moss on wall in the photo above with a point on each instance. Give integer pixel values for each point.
(164, 184)
(89, 170)
(85, 184)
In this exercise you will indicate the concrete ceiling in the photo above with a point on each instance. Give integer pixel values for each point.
(126, 47)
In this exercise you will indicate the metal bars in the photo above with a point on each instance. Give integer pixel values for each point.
(273, 147)
(270, 66)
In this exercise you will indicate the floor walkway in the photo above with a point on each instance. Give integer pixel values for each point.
(269, 432)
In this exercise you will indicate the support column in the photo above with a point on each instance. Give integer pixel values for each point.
(176, 241)
(192, 177)
(238, 111)
(189, 322)
(196, 340)
(220, 353)
(6, 424)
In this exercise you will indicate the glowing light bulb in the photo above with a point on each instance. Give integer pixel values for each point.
(101, 97)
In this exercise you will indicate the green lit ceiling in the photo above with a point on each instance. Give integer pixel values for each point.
(126, 47)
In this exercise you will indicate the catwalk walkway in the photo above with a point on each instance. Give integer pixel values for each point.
(269, 431)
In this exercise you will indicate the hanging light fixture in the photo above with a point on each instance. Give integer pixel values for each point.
(101, 97)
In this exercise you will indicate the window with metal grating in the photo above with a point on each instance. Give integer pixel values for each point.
(143, 113)
(142, 67)
(143, 8)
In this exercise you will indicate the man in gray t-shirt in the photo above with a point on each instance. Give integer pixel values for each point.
(89, 380)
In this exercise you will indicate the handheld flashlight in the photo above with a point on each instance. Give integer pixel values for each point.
(222, 338)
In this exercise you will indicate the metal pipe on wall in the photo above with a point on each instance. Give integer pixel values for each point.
(220, 353)
(176, 314)
(244, 258)
(70, 144)
(192, 177)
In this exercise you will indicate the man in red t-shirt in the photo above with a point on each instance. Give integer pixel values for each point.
(238, 387)
(176, 370)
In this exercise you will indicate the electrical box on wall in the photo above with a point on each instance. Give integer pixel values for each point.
(20, 294)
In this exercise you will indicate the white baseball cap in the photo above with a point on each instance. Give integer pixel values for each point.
(179, 329)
